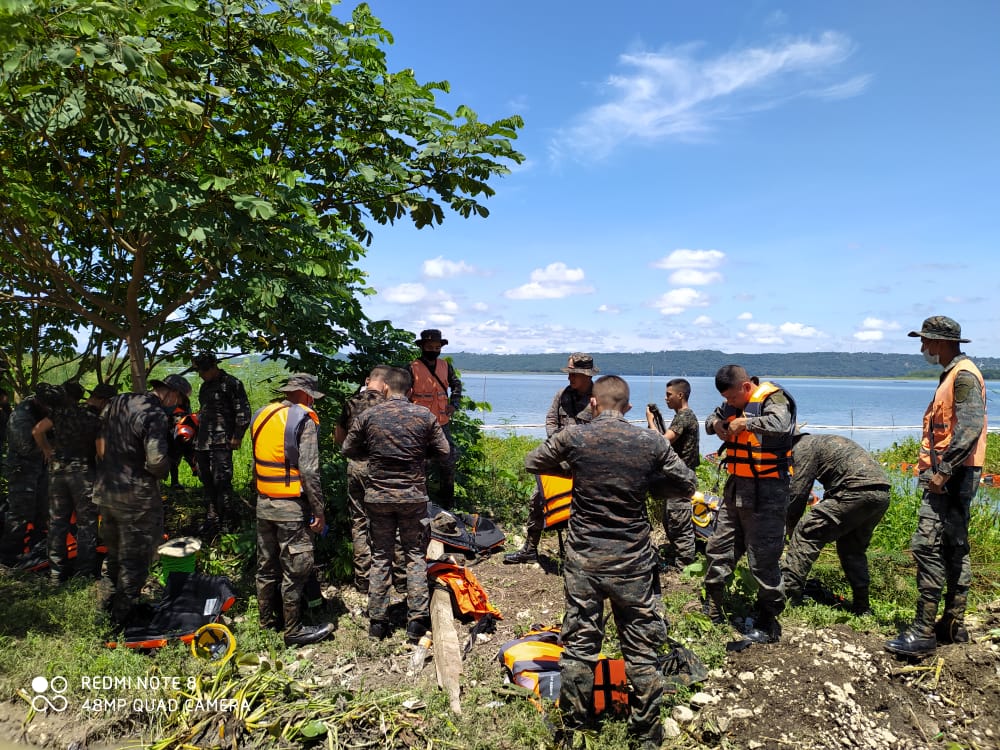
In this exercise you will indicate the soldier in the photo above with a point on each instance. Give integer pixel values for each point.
(609, 555)
(290, 505)
(224, 418)
(27, 479)
(756, 423)
(570, 406)
(357, 474)
(855, 497)
(952, 451)
(437, 386)
(683, 437)
(397, 437)
(133, 456)
(68, 441)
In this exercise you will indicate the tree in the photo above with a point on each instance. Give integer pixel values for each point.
(178, 174)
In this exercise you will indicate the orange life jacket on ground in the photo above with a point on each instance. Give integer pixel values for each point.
(939, 421)
(275, 429)
(746, 456)
(467, 594)
(431, 391)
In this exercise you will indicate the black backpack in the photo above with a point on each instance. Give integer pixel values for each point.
(469, 533)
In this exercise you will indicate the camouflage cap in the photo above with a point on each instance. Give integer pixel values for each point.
(104, 390)
(940, 327)
(205, 361)
(174, 382)
(50, 395)
(580, 363)
(303, 381)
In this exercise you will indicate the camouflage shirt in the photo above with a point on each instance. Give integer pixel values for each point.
(839, 464)
(21, 446)
(396, 437)
(74, 433)
(356, 405)
(686, 444)
(224, 412)
(568, 407)
(613, 465)
(136, 437)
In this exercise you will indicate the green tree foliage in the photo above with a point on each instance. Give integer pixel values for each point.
(178, 174)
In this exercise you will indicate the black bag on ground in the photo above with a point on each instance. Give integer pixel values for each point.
(681, 667)
(469, 533)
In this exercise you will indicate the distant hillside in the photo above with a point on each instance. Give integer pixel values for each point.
(705, 362)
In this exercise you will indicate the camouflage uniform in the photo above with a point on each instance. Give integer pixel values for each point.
(136, 436)
(285, 546)
(224, 414)
(357, 476)
(609, 557)
(677, 508)
(397, 437)
(855, 497)
(72, 471)
(940, 543)
(752, 514)
(27, 483)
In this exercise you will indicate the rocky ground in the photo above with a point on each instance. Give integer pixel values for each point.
(817, 688)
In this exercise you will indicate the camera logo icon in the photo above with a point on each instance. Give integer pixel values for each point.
(49, 694)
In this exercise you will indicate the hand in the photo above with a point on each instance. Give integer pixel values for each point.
(738, 425)
(318, 522)
(937, 482)
(721, 429)
(235, 443)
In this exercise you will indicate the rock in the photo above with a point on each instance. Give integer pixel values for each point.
(741, 713)
(671, 729)
(746, 677)
(682, 714)
(700, 700)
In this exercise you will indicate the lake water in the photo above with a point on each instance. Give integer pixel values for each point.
(874, 413)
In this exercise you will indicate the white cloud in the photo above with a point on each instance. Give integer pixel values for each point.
(694, 277)
(877, 324)
(555, 281)
(703, 321)
(480, 306)
(869, 335)
(683, 258)
(405, 294)
(441, 318)
(441, 268)
(610, 309)
(675, 94)
(799, 331)
(745, 316)
(677, 301)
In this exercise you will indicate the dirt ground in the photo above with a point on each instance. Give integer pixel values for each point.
(817, 688)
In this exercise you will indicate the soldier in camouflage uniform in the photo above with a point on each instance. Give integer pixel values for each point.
(397, 437)
(290, 507)
(27, 479)
(952, 451)
(683, 437)
(570, 406)
(609, 555)
(357, 475)
(855, 497)
(224, 416)
(756, 421)
(68, 440)
(133, 456)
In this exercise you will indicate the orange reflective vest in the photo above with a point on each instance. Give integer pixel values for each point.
(939, 421)
(746, 456)
(467, 595)
(557, 497)
(275, 429)
(430, 389)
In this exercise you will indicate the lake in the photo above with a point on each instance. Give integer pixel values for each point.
(874, 413)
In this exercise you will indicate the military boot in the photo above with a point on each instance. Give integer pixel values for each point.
(527, 554)
(767, 629)
(950, 629)
(918, 640)
(711, 605)
(860, 604)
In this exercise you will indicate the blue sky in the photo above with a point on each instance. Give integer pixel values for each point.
(742, 176)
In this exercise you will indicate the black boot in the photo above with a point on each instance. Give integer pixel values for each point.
(950, 629)
(918, 640)
(306, 634)
(711, 605)
(767, 629)
(860, 605)
(527, 554)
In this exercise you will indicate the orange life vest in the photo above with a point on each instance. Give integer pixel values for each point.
(467, 594)
(557, 494)
(431, 391)
(275, 431)
(746, 456)
(939, 421)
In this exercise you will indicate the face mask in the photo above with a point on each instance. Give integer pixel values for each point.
(430, 356)
(931, 359)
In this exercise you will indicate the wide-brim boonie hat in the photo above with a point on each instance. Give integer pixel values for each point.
(940, 327)
(174, 382)
(303, 381)
(104, 390)
(431, 336)
(580, 363)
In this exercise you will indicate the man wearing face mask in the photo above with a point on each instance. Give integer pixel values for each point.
(436, 386)
(952, 450)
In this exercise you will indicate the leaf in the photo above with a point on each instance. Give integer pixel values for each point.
(65, 56)
(314, 728)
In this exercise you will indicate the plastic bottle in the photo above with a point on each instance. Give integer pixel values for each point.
(420, 652)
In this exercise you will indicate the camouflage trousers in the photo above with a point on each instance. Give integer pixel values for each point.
(27, 503)
(71, 490)
(642, 632)
(132, 534)
(679, 529)
(215, 470)
(385, 521)
(940, 544)
(753, 524)
(445, 472)
(284, 561)
(357, 476)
